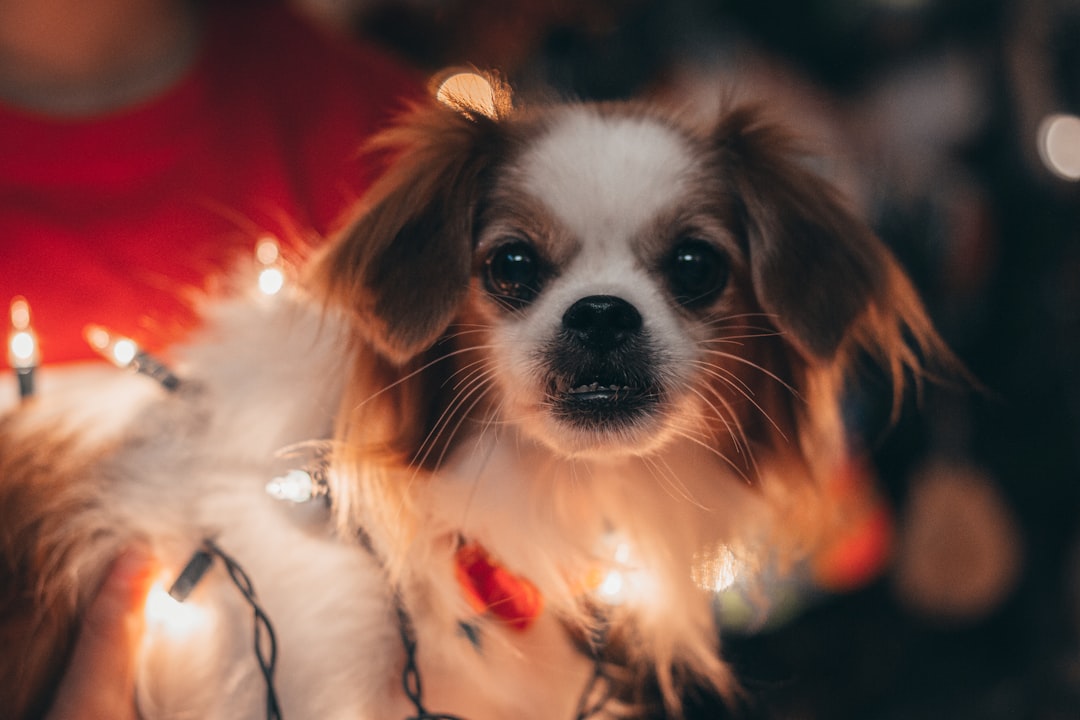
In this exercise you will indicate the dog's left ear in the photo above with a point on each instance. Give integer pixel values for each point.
(402, 266)
(817, 268)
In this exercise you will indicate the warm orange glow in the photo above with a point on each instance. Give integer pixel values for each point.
(717, 571)
(117, 349)
(624, 580)
(468, 91)
(22, 341)
(168, 616)
(271, 272)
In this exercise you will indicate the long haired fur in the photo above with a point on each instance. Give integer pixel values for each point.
(454, 416)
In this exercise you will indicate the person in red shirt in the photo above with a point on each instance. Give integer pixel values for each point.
(145, 145)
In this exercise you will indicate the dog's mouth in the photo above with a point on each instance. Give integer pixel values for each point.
(595, 400)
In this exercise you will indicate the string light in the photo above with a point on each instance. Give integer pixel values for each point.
(717, 570)
(301, 473)
(305, 479)
(23, 354)
(123, 352)
(271, 269)
(298, 486)
(171, 610)
(168, 609)
(190, 576)
(624, 580)
(175, 618)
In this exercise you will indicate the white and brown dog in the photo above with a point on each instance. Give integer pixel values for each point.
(560, 356)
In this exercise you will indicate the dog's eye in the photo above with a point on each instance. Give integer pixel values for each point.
(512, 273)
(697, 273)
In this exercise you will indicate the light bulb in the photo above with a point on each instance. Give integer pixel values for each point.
(22, 340)
(117, 349)
(295, 486)
(271, 278)
(123, 352)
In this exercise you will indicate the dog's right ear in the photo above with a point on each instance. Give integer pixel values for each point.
(402, 265)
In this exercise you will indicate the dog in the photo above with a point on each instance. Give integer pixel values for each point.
(561, 356)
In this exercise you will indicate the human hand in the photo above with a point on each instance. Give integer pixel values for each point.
(99, 682)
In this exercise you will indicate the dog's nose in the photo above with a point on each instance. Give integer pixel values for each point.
(602, 322)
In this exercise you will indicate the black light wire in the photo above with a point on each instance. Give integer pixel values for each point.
(265, 640)
(597, 642)
(410, 675)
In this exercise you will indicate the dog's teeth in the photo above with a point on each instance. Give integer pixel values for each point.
(597, 387)
(591, 387)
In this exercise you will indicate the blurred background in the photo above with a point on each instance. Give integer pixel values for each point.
(953, 124)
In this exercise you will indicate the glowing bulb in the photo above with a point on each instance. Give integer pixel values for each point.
(169, 609)
(117, 349)
(718, 570)
(624, 580)
(471, 92)
(1059, 145)
(125, 353)
(23, 348)
(614, 588)
(20, 313)
(295, 486)
(22, 341)
(166, 614)
(611, 588)
(271, 278)
(23, 354)
(267, 251)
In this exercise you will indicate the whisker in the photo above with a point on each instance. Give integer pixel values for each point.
(734, 339)
(669, 479)
(736, 431)
(716, 319)
(419, 370)
(462, 417)
(457, 329)
(752, 462)
(440, 427)
(472, 369)
(720, 416)
(686, 434)
(452, 407)
(714, 368)
(738, 385)
(756, 366)
(476, 480)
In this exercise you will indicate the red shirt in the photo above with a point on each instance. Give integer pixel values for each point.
(115, 219)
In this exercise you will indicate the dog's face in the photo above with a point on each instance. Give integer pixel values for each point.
(606, 279)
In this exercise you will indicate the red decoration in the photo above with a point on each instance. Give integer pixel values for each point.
(491, 588)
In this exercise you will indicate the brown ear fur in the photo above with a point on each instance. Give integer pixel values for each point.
(41, 499)
(403, 264)
(827, 281)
